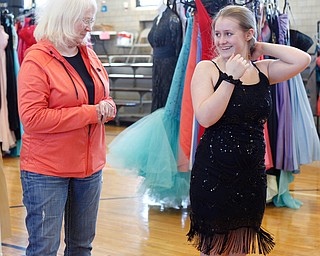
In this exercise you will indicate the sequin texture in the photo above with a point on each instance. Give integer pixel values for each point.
(228, 180)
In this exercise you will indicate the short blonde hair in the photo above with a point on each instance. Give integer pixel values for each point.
(56, 20)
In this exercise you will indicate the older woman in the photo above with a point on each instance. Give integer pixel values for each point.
(63, 104)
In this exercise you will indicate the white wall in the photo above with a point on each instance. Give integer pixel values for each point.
(306, 14)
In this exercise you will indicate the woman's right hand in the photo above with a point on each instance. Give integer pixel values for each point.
(105, 111)
(236, 65)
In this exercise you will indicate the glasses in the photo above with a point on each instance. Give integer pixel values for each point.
(88, 21)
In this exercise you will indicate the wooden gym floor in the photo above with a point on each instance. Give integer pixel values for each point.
(128, 226)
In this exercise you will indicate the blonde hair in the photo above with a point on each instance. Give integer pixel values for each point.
(56, 20)
(243, 15)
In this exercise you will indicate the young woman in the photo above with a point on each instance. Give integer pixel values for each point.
(63, 93)
(231, 99)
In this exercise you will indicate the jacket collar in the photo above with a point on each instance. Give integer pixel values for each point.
(47, 47)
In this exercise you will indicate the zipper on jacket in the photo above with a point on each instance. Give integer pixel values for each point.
(74, 85)
(89, 126)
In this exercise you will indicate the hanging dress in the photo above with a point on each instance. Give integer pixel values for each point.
(165, 37)
(7, 137)
(149, 148)
(26, 37)
(302, 146)
(189, 127)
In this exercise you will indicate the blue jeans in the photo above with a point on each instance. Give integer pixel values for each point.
(47, 200)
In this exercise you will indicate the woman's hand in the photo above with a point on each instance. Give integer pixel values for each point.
(286, 63)
(257, 51)
(236, 65)
(105, 111)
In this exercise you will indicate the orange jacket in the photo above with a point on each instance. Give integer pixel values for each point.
(62, 136)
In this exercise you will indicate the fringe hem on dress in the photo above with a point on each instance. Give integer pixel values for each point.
(244, 240)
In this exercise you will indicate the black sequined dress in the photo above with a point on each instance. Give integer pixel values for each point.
(228, 180)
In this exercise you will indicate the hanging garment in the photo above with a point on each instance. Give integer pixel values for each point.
(284, 158)
(187, 114)
(26, 38)
(272, 124)
(7, 137)
(14, 152)
(149, 148)
(165, 37)
(12, 97)
(297, 138)
(212, 7)
(306, 144)
(190, 130)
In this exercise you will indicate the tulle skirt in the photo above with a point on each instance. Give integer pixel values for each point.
(148, 149)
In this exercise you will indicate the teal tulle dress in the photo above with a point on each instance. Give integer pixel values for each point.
(149, 148)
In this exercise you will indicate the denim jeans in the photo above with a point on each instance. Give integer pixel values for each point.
(47, 200)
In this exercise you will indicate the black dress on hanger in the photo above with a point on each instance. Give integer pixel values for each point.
(165, 37)
(12, 95)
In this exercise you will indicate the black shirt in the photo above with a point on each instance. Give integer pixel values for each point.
(78, 64)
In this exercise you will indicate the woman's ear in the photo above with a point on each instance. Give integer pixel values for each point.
(250, 34)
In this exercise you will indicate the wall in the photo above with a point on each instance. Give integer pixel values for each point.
(306, 14)
(131, 19)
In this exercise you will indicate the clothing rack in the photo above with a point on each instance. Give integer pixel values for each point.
(27, 13)
(188, 3)
(6, 14)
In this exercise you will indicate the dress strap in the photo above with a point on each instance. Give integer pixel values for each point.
(220, 76)
(255, 66)
(261, 74)
(216, 66)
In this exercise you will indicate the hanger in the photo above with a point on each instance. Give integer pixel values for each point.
(286, 6)
(27, 13)
(187, 3)
(242, 2)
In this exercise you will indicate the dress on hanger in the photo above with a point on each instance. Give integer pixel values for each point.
(165, 37)
(26, 38)
(12, 94)
(293, 136)
(150, 147)
(190, 130)
(7, 137)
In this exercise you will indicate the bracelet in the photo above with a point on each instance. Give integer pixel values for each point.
(230, 79)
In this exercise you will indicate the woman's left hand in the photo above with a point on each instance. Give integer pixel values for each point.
(257, 51)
